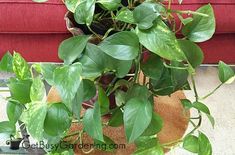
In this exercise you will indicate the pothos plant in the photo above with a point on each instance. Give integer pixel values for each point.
(137, 37)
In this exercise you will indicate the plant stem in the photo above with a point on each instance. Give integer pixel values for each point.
(137, 65)
(113, 19)
(107, 33)
(72, 134)
(88, 26)
(198, 125)
(194, 125)
(194, 88)
(172, 142)
(195, 117)
(188, 12)
(211, 92)
(167, 66)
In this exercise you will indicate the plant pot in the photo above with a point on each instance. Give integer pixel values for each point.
(14, 143)
(174, 116)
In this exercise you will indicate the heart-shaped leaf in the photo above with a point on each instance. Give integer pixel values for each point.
(84, 12)
(226, 73)
(161, 40)
(119, 48)
(70, 49)
(37, 90)
(204, 145)
(202, 27)
(20, 67)
(137, 117)
(148, 145)
(93, 61)
(116, 118)
(58, 119)
(6, 63)
(192, 52)
(47, 70)
(155, 125)
(14, 110)
(110, 4)
(71, 5)
(145, 13)
(7, 129)
(92, 123)
(68, 85)
(125, 15)
(20, 90)
(37, 114)
(103, 101)
(153, 67)
(191, 143)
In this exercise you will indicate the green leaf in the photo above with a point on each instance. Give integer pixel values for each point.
(185, 20)
(116, 119)
(84, 12)
(6, 63)
(179, 77)
(20, 90)
(92, 123)
(93, 61)
(47, 71)
(163, 86)
(7, 129)
(70, 49)
(110, 4)
(202, 107)
(199, 106)
(137, 90)
(204, 145)
(226, 73)
(172, 79)
(71, 5)
(89, 89)
(37, 90)
(103, 100)
(20, 67)
(37, 114)
(58, 120)
(106, 145)
(137, 117)
(153, 67)
(211, 119)
(191, 144)
(155, 125)
(68, 87)
(192, 52)
(14, 111)
(119, 48)
(121, 67)
(77, 102)
(125, 15)
(201, 28)
(145, 142)
(160, 40)
(186, 104)
(148, 146)
(120, 97)
(145, 14)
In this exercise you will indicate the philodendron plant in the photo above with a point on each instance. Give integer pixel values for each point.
(140, 37)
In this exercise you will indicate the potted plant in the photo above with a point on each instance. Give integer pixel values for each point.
(128, 55)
